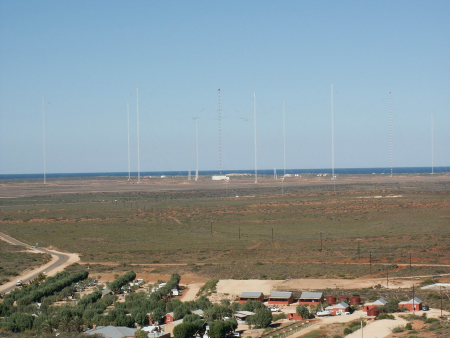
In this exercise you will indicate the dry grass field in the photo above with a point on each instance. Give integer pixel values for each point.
(225, 230)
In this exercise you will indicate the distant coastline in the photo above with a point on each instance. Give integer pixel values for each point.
(338, 171)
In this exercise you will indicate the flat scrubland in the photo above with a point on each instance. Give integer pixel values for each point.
(224, 230)
(14, 260)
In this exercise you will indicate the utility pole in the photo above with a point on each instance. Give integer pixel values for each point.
(128, 136)
(211, 229)
(321, 246)
(414, 306)
(441, 300)
(359, 249)
(239, 233)
(370, 261)
(432, 145)
(410, 265)
(387, 278)
(272, 234)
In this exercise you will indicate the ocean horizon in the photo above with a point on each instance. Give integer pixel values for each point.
(337, 171)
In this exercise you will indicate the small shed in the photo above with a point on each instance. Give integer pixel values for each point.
(414, 304)
(283, 298)
(198, 312)
(380, 302)
(293, 316)
(251, 295)
(311, 298)
(168, 318)
(168, 328)
(334, 309)
(242, 315)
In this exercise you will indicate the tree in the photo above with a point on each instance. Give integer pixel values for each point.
(303, 311)
(184, 330)
(180, 312)
(261, 319)
(158, 316)
(140, 334)
(390, 307)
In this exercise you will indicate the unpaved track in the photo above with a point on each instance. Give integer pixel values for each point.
(60, 260)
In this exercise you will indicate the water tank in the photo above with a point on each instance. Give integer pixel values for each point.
(373, 312)
(355, 300)
(331, 299)
(343, 298)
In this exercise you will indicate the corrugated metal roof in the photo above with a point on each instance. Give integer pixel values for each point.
(416, 301)
(113, 331)
(341, 305)
(311, 295)
(251, 294)
(241, 314)
(198, 312)
(283, 295)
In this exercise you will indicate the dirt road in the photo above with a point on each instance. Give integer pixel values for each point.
(60, 260)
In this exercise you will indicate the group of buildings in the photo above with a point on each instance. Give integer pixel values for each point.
(338, 304)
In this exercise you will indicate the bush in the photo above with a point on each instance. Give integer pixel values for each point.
(385, 316)
(431, 320)
(347, 331)
(398, 329)
(408, 326)
(279, 316)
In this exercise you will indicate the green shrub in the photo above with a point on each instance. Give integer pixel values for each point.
(408, 326)
(398, 329)
(347, 331)
(385, 316)
(431, 320)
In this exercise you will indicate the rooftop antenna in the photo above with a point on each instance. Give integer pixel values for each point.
(432, 145)
(128, 136)
(196, 146)
(390, 128)
(43, 136)
(138, 152)
(220, 132)
(332, 140)
(256, 154)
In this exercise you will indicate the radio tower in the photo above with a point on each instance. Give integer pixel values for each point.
(43, 135)
(256, 153)
(332, 140)
(138, 153)
(196, 147)
(432, 145)
(220, 132)
(284, 143)
(390, 129)
(128, 135)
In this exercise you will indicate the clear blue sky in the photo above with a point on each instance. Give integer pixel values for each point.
(87, 57)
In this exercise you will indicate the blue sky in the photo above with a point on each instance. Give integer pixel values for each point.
(87, 57)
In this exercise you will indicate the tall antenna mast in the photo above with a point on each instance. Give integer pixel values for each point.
(128, 136)
(332, 139)
(220, 132)
(43, 136)
(284, 143)
(138, 152)
(196, 143)
(390, 129)
(432, 145)
(256, 153)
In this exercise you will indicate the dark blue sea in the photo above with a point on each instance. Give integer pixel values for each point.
(338, 171)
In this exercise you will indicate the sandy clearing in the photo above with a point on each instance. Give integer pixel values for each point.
(378, 328)
(191, 291)
(236, 287)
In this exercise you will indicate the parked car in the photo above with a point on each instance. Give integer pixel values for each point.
(19, 282)
(274, 309)
(425, 308)
(342, 313)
